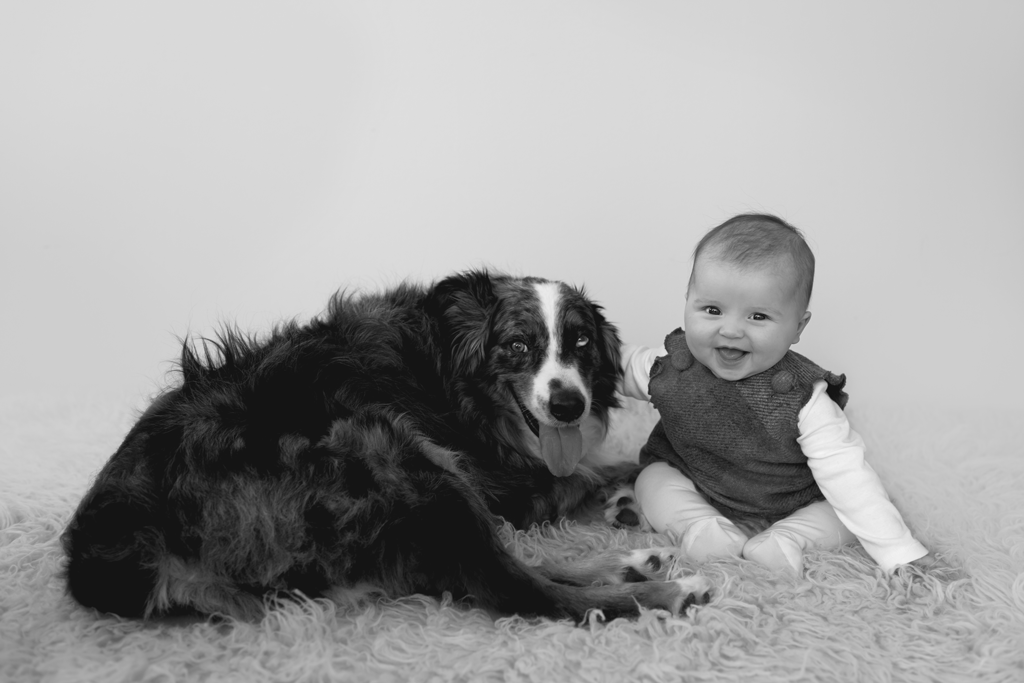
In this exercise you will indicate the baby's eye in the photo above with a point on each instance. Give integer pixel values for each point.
(582, 341)
(758, 316)
(712, 310)
(520, 347)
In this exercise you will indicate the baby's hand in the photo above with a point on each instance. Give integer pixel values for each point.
(929, 564)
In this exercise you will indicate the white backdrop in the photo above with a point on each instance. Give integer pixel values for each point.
(164, 168)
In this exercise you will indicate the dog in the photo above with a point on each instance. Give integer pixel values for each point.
(378, 445)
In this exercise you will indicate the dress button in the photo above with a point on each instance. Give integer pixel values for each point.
(681, 360)
(783, 382)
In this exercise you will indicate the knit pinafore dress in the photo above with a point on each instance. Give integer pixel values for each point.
(737, 441)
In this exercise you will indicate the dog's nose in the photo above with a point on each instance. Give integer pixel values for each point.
(566, 405)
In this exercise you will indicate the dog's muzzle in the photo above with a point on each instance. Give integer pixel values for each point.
(560, 447)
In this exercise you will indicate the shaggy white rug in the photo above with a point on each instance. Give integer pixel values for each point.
(958, 479)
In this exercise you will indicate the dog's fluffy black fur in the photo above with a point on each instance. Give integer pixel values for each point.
(374, 445)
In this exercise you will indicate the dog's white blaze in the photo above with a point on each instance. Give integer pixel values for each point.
(549, 295)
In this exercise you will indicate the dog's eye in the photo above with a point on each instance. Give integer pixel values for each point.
(519, 347)
(582, 341)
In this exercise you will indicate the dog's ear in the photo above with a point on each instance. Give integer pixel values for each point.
(464, 306)
(609, 348)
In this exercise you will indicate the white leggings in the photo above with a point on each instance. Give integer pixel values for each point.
(673, 506)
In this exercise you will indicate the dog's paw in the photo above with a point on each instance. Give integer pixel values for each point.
(696, 591)
(647, 564)
(675, 597)
(622, 510)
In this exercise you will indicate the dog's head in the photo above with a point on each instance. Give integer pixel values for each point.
(542, 352)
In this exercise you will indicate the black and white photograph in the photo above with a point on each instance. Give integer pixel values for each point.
(511, 341)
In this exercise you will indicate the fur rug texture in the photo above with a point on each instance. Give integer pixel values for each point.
(958, 478)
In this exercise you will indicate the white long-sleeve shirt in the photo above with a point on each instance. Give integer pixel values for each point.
(835, 455)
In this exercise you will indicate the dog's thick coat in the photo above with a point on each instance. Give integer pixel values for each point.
(374, 445)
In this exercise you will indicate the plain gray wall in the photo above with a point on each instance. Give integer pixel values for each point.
(167, 167)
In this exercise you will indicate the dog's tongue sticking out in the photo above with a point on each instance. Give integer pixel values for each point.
(561, 448)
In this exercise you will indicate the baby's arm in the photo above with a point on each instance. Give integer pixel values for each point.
(835, 454)
(636, 370)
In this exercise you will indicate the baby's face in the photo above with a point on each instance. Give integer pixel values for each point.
(742, 320)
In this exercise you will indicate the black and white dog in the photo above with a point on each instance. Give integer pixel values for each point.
(376, 445)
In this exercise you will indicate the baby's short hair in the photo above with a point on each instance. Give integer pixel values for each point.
(756, 239)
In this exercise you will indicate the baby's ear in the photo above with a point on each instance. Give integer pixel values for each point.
(800, 327)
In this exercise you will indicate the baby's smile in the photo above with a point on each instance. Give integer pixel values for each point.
(729, 354)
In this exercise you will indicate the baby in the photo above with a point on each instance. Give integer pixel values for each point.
(750, 430)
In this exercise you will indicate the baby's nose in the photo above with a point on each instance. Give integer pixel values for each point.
(731, 330)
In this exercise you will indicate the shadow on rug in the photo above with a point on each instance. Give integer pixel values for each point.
(957, 478)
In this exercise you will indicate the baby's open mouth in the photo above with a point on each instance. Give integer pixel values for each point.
(730, 354)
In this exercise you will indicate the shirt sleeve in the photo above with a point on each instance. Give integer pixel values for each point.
(835, 454)
(636, 370)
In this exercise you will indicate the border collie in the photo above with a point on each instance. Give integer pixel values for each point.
(378, 444)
